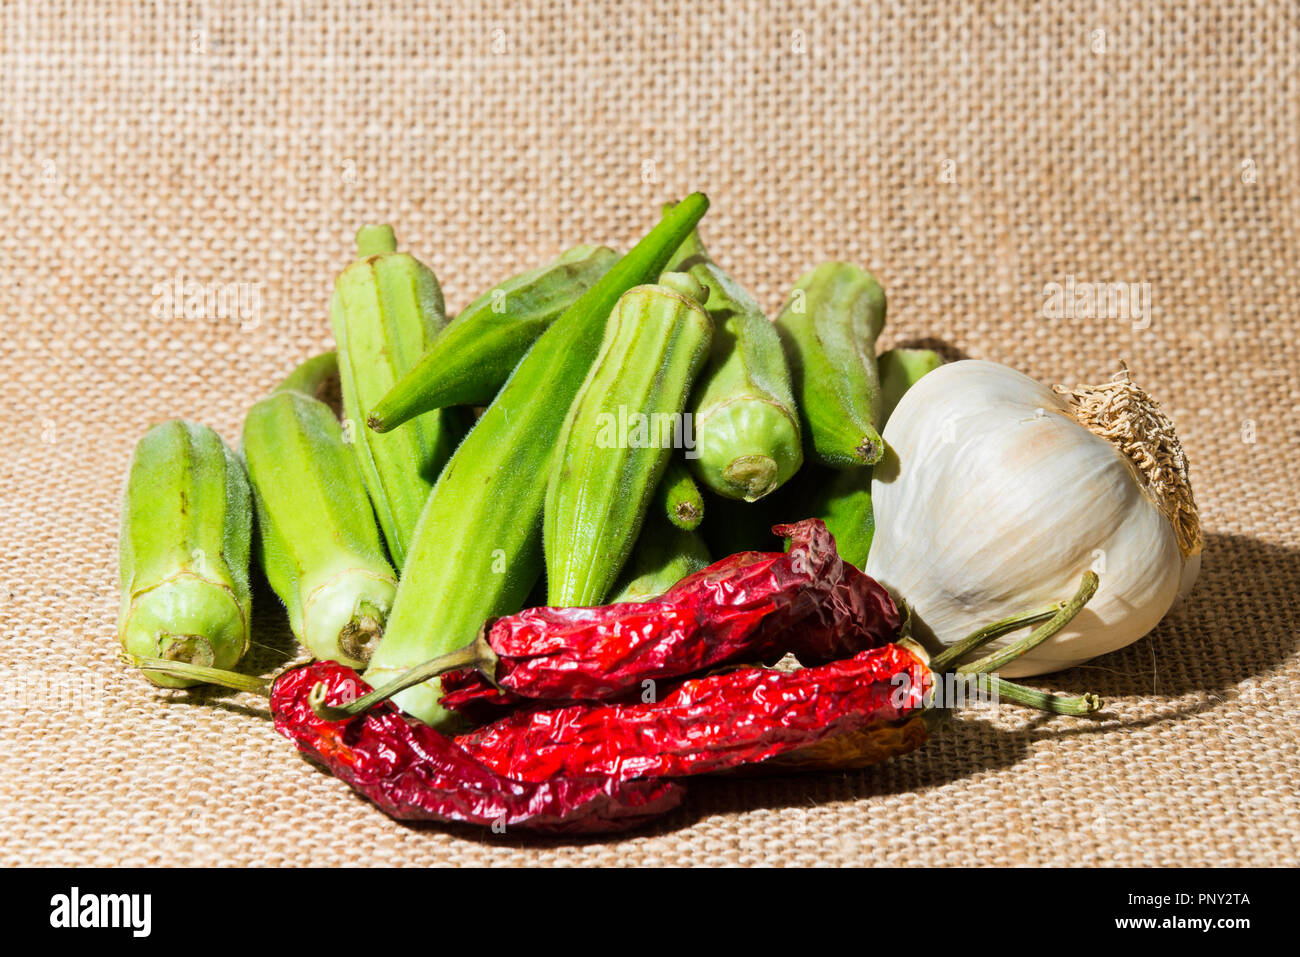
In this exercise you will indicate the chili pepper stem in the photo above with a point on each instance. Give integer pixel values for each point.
(991, 663)
(215, 676)
(478, 654)
(915, 647)
(1033, 698)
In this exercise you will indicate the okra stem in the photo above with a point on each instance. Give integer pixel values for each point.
(358, 638)
(991, 663)
(375, 241)
(757, 474)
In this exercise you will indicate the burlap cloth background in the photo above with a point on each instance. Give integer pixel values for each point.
(968, 154)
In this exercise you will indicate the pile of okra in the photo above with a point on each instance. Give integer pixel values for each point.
(588, 431)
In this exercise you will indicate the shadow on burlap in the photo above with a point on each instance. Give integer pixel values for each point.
(968, 156)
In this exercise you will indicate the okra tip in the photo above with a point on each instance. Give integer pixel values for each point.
(695, 201)
(871, 448)
(687, 515)
(376, 423)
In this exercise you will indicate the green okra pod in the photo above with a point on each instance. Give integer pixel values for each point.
(900, 369)
(679, 498)
(619, 435)
(318, 541)
(747, 429)
(829, 329)
(317, 377)
(663, 555)
(386, 310)
(471, 358)
(478, 549)
(842, 498)
(184, 550)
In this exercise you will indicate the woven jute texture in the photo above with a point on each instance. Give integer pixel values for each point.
(969, 154)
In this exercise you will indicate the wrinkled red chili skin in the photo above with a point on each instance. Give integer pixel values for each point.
(469, 695)
(752, 606)
(708, 724)
(413, 773)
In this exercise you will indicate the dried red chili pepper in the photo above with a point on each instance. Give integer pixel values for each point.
(750, 606)
(714, 723)
(856, 749)
(413, 773)
(845, 713)
(592, 767)
(468, 694)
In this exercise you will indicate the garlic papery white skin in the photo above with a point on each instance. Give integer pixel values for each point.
(996, 493)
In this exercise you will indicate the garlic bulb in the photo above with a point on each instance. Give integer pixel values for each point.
(998, 493)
